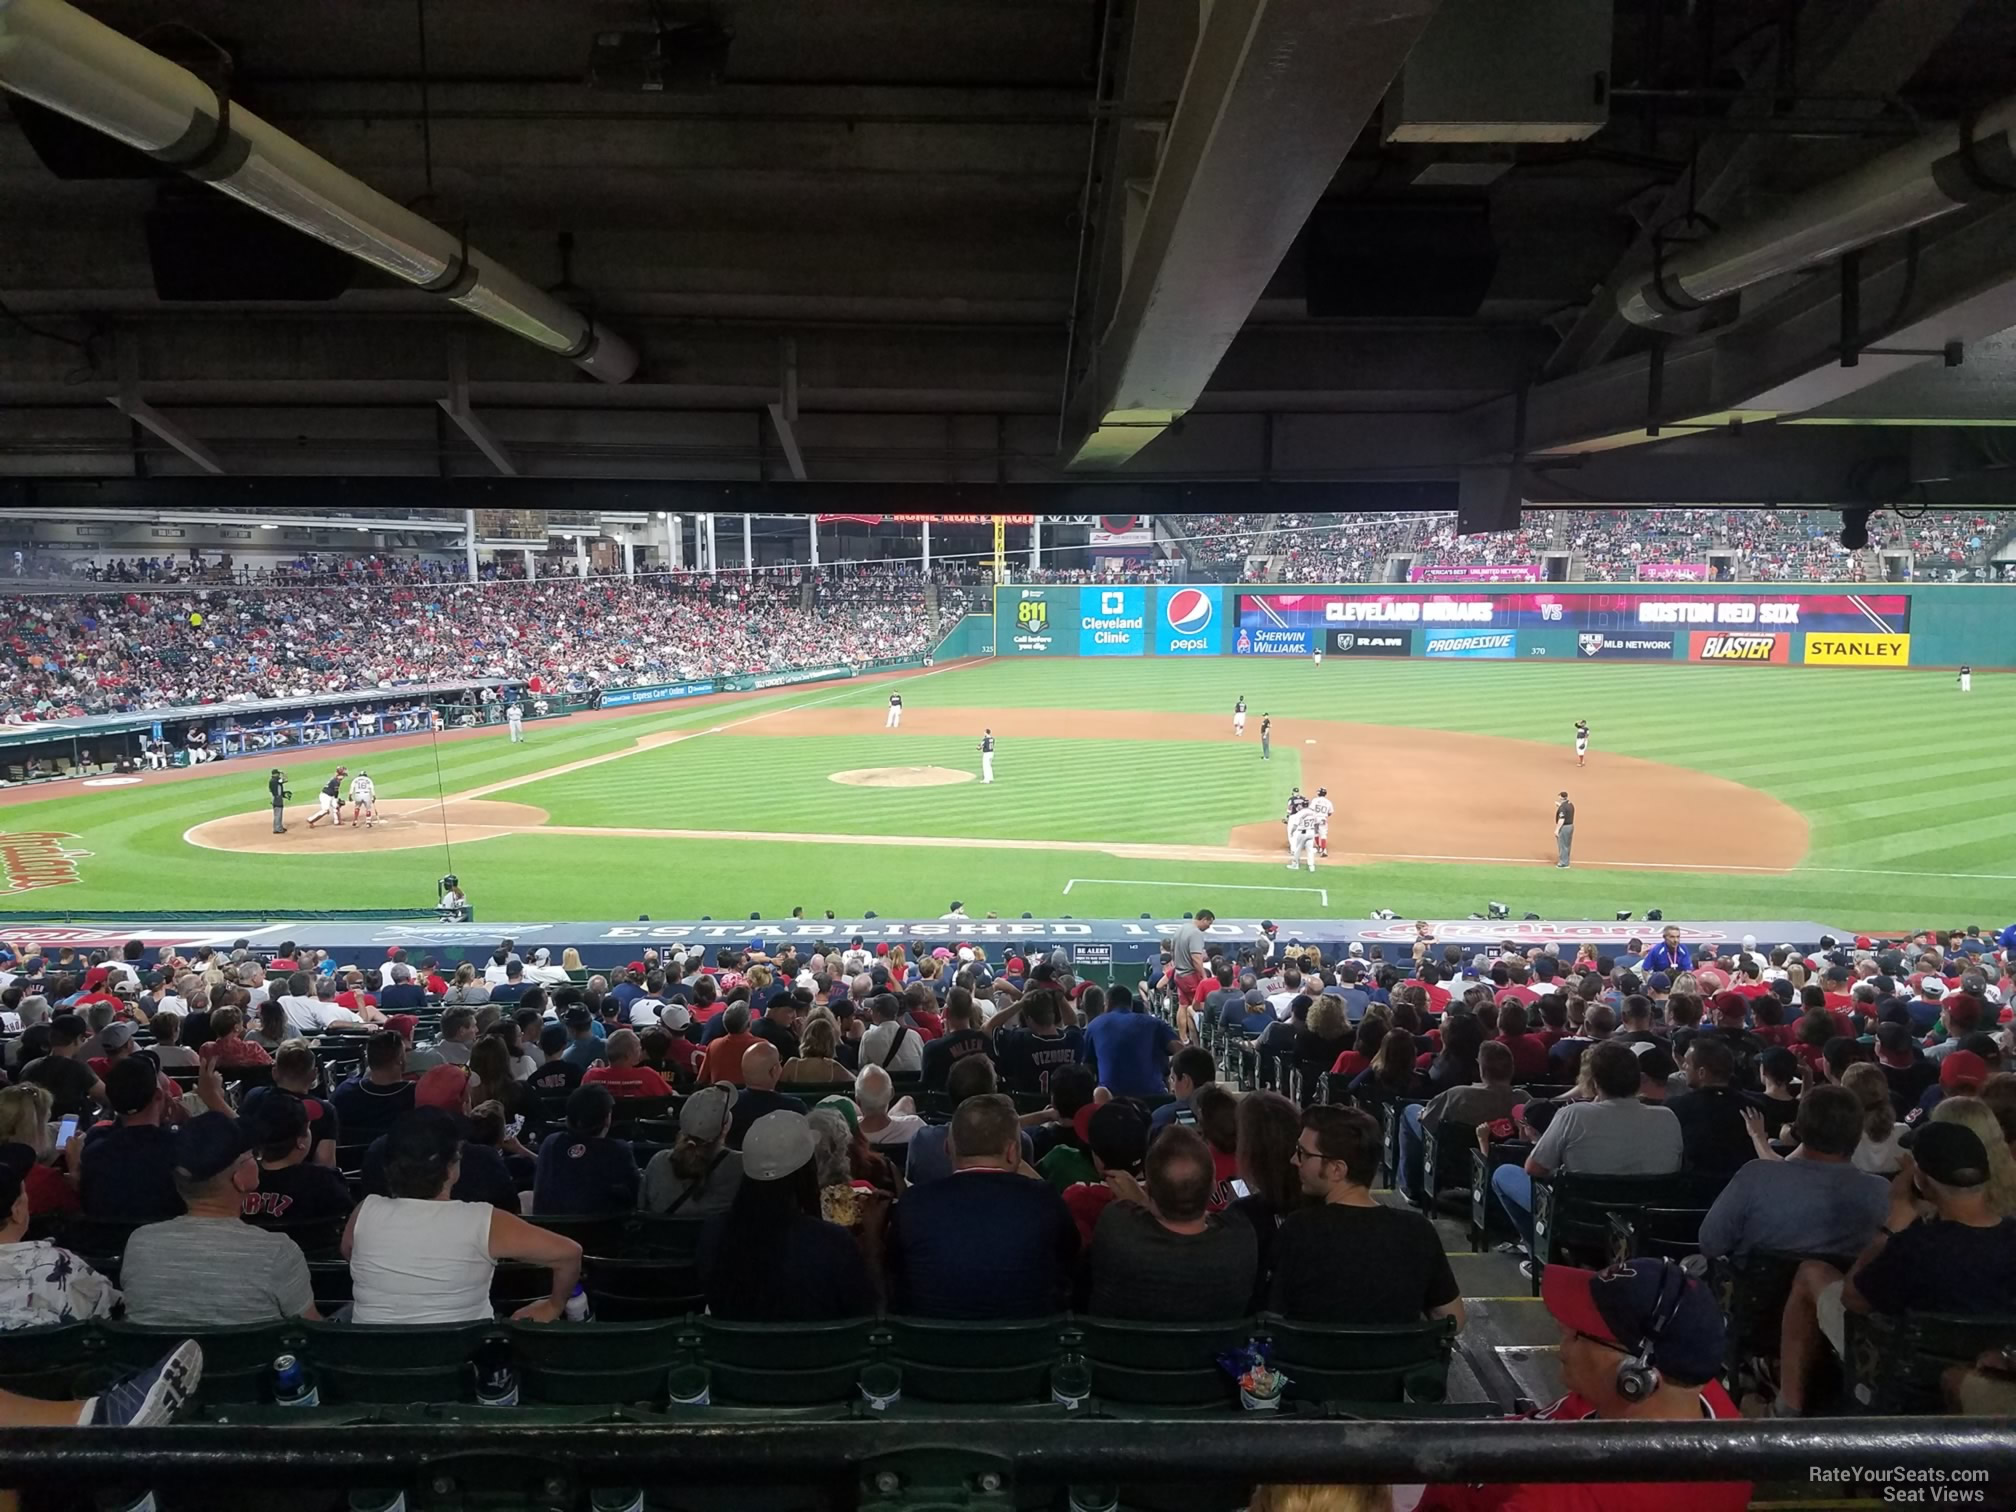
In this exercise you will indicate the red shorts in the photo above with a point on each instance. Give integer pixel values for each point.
(1191, 987)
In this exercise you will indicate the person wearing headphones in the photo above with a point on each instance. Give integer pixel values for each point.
(1639, 1341)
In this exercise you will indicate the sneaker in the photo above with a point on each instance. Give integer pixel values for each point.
(154, 1396)
(1530, 1269)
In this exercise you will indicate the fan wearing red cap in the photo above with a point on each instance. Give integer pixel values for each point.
(1639, 1342)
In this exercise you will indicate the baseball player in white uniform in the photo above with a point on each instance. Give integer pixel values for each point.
(364, 801)
(895, 719)
(1581, 742)
(1966, 679)
(329, 802)
(1239, 716)
(514, 715)
(987, 756)
(1302, 839)
(1322, 808)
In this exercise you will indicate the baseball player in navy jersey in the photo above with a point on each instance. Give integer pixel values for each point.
(1581, 742)
(1239, 716)
(987, 755)
(895, 719)
(1266, 737)
(329, 802)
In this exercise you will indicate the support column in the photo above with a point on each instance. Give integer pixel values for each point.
(1036, 544)
(629, 558)
(812, 524)
(674, 550)
(581, 556)
(748, 553)
(531, 567)
(927, 550)
(713, 543)
(469, 542)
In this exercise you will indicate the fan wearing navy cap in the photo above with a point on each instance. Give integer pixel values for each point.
(1641, 1342)
(171, 1271)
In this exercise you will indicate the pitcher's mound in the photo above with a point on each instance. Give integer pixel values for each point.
(403, 824)
(916, 776)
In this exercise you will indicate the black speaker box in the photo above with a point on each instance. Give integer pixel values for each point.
(1394, 258)
(209, 247)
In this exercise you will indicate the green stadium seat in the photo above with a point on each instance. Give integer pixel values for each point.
(514, 1283)
(48, 1362)
(95, 1239)
(237, 1362)
(395, 1364)
(583, 1364)
(669, 1238)
(787, 1364)
(1004, 1363)
(599, 1235)
(1165, 1365)
(1572, 1213)
(1333, 1362)
(1894, 1363)
(330, 1279)
(637, 1289)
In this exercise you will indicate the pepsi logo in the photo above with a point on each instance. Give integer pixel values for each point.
(1188, 611)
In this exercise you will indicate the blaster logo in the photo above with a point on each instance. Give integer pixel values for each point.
(1738, 647)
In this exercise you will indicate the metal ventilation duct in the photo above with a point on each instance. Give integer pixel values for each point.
(1932, 176)
(54, 54)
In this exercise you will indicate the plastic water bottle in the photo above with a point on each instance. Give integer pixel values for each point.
(577, 1305)
(616, 1499)
(496, 1377)
(292, 1385)
(377, 1501)
(126, 1499)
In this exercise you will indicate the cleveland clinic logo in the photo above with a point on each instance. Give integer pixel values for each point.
(38, 858)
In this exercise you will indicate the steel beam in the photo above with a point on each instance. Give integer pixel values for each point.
(1276, 93)
(455, 404)
(784, 409)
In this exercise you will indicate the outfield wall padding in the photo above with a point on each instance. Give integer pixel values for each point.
(1760, 624)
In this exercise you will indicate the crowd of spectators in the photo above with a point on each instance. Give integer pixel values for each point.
(1611, 545)
(113, 652)
(848, 1132)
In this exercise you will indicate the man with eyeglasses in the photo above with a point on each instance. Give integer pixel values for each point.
(1346, 1258)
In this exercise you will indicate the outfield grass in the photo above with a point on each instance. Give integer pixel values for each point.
(1911, 801)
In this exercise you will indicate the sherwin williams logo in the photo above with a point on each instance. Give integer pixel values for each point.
(1188, 611)
(39, 858)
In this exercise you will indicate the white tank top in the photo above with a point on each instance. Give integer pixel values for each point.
(413, 1261)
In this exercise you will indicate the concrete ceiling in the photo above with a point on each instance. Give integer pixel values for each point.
(930, 213)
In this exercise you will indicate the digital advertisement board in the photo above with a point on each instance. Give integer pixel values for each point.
(1846, 650)
(1371, 642)
(1491, 645)
(1189, 621)
(1739, 646)
(1035, 621)
(1610, 645)
(1863, 613)
(1112, 621)
(1266, 640)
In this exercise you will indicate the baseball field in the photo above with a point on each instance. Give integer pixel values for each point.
(1872, 798)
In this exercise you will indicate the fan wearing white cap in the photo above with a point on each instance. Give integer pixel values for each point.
(776, 1260)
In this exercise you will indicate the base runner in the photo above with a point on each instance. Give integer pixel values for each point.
(1302, 839)
(329, 802)
(1322, 808)
(364, 801)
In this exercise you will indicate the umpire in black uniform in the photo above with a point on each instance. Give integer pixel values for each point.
(276, 788)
